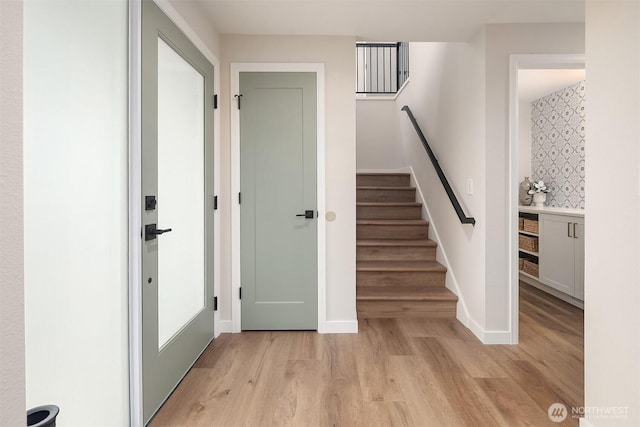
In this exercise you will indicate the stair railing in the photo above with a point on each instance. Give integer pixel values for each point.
(445, 183)
(381, 68)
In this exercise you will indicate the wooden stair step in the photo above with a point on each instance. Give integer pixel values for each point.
(385, 194)
(397, 242)
(405, 293)
(400, 273)
(388, 210)
(405, 301)
(383, 179)
(401, 222)
(388, 204)
(395, 250)
(401, 266)
(392, 229)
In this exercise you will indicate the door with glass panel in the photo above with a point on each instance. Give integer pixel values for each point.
(177, 211)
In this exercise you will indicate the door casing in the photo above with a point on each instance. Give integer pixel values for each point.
(236, 69)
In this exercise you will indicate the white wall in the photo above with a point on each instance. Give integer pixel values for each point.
(75, 214)
(446, 94)
(502, 41)
(378, 135)
(337, 53)
(524, 140)
(612, 295)
(12, 374)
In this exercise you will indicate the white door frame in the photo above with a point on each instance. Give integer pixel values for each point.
(135, 192)
(236, 69)
(523, 62)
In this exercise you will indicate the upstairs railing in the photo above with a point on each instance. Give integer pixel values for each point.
(381, 68)
(464, 219)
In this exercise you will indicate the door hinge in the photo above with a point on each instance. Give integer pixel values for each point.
(215, 203)
(215, 102)
(240, 292)
(239, 198)
(215, 303)
(238, 97)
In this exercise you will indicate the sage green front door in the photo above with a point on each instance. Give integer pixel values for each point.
(177, 215)
(278, 209)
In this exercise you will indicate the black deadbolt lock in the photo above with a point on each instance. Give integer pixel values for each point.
(150, 203)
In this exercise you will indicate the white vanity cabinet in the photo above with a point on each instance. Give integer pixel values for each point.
(562, 253)
(560, 256)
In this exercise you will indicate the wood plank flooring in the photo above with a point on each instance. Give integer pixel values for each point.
(395, 372)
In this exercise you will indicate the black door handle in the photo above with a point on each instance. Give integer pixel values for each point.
(307, 214)
(151, 231)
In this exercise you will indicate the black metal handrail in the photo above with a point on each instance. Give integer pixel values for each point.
(445, 183)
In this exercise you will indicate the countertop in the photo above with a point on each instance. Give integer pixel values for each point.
(552, 210)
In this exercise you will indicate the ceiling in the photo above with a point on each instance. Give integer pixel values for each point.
(401, 20)
(534, 84)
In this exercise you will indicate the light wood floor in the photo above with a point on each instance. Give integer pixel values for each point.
(395, 372)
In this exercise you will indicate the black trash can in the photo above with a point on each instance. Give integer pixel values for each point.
(42, 416)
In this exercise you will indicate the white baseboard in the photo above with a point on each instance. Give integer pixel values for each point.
(497, 337)
(488, 337)
(223, 327)
(462, 316)
(340, 327)
(462, 313)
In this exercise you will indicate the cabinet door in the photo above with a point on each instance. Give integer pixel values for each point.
(579, 258)
(557, 268)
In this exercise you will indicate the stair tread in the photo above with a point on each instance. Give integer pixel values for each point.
(400, 266)
(382, 174)
(378, 187)
(388, 204)
(391, 222)
(396, 242)
(405, 293)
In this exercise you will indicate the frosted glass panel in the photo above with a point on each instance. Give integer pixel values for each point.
(181, 277)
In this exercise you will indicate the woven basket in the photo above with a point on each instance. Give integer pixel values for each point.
(520, 263)
(521, 224)
(530, 268)
(530, 226)
(528, 243)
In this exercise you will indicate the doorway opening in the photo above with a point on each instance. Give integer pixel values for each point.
(530, 77)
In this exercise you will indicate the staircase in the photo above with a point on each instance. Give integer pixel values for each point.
(397, 273)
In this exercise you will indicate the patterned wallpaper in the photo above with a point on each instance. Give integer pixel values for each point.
(557, 145)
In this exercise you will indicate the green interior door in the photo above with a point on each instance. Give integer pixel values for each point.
(177, 221)
(278, 210)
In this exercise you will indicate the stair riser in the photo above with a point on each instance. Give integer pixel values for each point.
(388, 212)
(382, 195)
(395, 309)
(400, 278)
(367, 231)
(396, 253)
(383, 180)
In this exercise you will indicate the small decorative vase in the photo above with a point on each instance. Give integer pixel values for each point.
(539, 199)
(523, 190)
